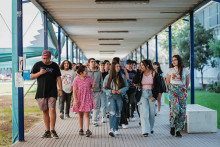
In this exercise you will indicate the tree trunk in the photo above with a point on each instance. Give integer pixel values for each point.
(202, 78)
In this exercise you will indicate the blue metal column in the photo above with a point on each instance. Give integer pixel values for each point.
(156, 48)
(77, 55)
(59, 45)
(72, 53)
(192, 57)
(147, 51)
(170, 45)
(45, 32)
(140, 53)
(136, 55)
(20, 54)
(79, 52)
(132, 56)
(67, 48)
(14, 70)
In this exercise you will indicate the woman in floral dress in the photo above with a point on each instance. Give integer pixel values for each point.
(178, 81)
(83, 98)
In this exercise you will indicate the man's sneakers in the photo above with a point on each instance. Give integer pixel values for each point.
(103, 119)
(132, 119)
(67, 115)
(95, 124)
(124, 126)
(46, 134)
(61, 116)
(54, 134)
(117, 133)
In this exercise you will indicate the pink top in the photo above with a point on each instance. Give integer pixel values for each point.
(84, 94)
(147, 82)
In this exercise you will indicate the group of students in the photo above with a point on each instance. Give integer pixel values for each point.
(118, 92)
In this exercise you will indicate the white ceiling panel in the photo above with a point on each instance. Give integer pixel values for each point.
(79, 20)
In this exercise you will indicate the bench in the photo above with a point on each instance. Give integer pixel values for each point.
(200, 119)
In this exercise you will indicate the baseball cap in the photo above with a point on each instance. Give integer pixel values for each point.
(46, 54)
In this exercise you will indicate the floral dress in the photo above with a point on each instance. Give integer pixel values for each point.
(84, 94)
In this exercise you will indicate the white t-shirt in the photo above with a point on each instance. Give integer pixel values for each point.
(175, 76)
(67, 78)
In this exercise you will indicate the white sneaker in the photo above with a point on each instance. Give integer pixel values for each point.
(133, 119)
(124, 126)
(158, 112)
(103, 119)
(95, 124)
(117, 133)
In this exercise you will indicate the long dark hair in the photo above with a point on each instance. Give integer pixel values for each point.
(62, 65)
(148, 63)
(159, 69)
(113, 76)
(180, 64)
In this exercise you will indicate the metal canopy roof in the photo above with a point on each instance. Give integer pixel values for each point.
(138, 22)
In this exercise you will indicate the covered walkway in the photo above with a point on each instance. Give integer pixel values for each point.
(131, 137)
(104, 29)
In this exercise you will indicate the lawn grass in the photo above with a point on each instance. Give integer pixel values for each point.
(208, 99)
(5, 139)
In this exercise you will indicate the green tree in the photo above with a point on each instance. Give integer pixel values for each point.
(203, 55)
(215, 46)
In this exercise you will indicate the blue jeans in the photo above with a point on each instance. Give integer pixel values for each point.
(104, 101)
(147, 112)
(114, 107)
(97, 100)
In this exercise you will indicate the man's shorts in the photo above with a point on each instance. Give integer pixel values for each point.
(46, 103)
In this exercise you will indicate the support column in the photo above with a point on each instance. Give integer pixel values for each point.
(192, 57)
(170, 45)
(140, 53)
(132, 56)
(136, 55)
(156, 48)
(147, 51)
(45, 32)
(67, 48)
(20, 55)
(59, 45)
(14, 70)
(79, 52)
(72, 53)
(76, 54)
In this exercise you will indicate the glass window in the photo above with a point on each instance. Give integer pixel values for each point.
(200, 17)
(213, 15)
(206, 18)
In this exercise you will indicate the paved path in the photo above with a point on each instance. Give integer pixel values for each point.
(68, 132)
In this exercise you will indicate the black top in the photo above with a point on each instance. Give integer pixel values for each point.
(131, 74)
(104, 74)
(46, 83)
